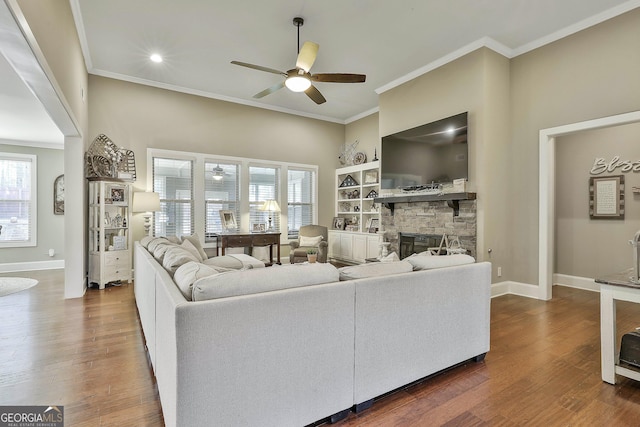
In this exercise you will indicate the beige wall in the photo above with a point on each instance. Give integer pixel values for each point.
(365, 131)
(594, 247)
(140, 117)
(591, 74)
(477, 83)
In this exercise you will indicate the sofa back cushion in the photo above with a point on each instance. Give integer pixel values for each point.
(176, 256)
(421, 262)
(234, 261)
(374, 269)
(194, 239)
(256, 280)
(186, 275)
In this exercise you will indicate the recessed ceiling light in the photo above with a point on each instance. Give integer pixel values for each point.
(156, 57)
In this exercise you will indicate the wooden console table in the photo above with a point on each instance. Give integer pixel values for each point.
(249, 240)
(612, 289)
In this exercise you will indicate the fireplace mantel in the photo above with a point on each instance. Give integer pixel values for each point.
(452, 199)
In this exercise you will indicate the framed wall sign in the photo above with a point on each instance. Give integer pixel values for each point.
(606, 197)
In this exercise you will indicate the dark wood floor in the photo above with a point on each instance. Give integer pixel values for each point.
(543, 368)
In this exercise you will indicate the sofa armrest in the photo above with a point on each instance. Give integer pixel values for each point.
(323, 251)
(294, 244)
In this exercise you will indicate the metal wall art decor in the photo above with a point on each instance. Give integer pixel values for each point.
(105, 160)
(606, 197)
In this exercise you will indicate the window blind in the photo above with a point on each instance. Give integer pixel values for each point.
(17, 199)
(173, 180)
(263, 185)
(300, 204)
(222, 194)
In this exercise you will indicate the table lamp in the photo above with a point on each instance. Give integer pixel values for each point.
(147, 202)
(270, 206)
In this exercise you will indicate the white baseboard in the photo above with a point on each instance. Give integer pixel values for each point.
(514, 288)
(31, 266)
(585, 283)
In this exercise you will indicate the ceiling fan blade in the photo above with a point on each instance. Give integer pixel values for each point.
(315, 95)
(259, 68)
(307, 55)
(338, 78)
(269, 91)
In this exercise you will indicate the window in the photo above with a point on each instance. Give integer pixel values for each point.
(173, 180)
(18, 192)
(300, 199)
(220, 194)
(263, 185)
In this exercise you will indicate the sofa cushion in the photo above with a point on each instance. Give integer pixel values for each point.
(146, 240)
(235, 283)
(188, 273)
(420, 262)
(310, 241)
(175, 256)
(373, 269)
(155, 242)
(161, 248)
(234, 261)
(195, 240)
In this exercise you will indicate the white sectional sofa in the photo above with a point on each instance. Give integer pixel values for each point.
(293, 356)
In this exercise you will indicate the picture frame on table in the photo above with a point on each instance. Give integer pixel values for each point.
(228, 219)
(258, 227)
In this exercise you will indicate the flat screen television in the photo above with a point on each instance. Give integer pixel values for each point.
(432, 153)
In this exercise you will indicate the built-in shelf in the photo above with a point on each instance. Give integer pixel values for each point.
(452, 200)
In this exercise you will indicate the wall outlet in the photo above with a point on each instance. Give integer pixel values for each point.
(499, 271)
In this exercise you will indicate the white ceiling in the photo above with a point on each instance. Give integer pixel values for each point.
(390, 42)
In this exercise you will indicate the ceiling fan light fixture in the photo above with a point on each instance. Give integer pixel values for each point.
(218, 173)
(297, 83)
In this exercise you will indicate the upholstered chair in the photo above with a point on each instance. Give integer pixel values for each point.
(309, 238)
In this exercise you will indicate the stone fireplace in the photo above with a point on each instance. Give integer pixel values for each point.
(431, 219)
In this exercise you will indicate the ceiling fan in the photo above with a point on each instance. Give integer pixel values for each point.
(299, 79)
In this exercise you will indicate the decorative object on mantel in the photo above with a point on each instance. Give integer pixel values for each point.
(375, 155)
(606, 197)
(104, 159)
(349, 181)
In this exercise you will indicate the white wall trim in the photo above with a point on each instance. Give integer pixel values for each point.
(577, 282)
(514, 288)
(31, 266)
(547, 184)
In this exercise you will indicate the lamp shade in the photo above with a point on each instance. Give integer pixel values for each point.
(146, 201)
(271, 206)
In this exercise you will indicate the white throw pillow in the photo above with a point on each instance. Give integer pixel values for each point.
(155, 242)
(161, 248)
(195, 240)
(256, 280)
(374, 269)
(310, 241)
(186, 275)
(429, 262)
(146, 240)
(186, 244)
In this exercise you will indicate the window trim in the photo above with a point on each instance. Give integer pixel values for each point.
(243, 162)
(33, 202)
